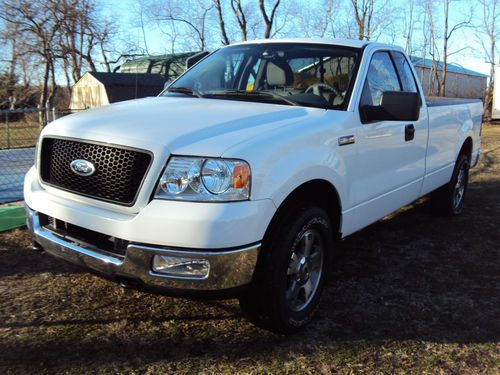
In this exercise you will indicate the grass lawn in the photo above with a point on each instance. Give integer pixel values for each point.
(22, 133)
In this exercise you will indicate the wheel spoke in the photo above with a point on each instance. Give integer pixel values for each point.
(293, 267)
(304, 270)
(316, 258)
(459, 192)
(292, 293)
(308, 288)
(308, 242)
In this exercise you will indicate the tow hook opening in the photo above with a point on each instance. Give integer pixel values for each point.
(35, 246)
(128, 283)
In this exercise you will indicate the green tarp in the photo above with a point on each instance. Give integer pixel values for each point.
(11, 217)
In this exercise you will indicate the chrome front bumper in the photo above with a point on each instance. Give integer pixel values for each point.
(229, 269)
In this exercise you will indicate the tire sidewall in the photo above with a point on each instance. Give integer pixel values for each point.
(462, 161)
(309, 218)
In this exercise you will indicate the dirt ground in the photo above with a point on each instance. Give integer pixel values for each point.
(411, 294)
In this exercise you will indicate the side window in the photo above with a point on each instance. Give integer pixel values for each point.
(381, 77)
(407, 78)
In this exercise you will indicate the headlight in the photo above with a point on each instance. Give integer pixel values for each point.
(204, 179)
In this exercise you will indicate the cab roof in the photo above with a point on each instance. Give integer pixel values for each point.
(332, 41)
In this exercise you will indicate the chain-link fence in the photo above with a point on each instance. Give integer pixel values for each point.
(19, 131)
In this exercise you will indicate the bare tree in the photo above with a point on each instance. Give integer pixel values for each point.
(431, 46)
(316, 20)
(448, 33)
(241, 18)
(10, 37)
(409, 27)
(140, 12)
(268, 19)
(192, 15)
(39, 23)
(56, 35)
(103, 33)
(76, 39)
(364, 12)
(371, 16)
(491, 16)
(222, 24)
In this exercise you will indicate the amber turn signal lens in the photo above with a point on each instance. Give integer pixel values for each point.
(241, 176)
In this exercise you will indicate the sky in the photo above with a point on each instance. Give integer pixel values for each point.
(125, 12)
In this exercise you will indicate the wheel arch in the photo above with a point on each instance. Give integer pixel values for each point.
(319, 192)
(466, 148)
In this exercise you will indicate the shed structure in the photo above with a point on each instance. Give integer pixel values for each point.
(95, 89)
(460, 82)
(169, 66)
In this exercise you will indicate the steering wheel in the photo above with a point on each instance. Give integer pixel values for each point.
(316, 89)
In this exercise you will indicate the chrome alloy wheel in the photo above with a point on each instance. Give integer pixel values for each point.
(304, 270)
(460, 187)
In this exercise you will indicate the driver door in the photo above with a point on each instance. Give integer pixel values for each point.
(391, 154)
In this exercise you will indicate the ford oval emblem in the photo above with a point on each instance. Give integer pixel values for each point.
(82, 167)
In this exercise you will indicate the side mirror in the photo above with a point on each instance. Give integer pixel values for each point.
(190, 61)
(394, 106)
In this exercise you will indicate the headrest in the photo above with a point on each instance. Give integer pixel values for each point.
(279, 73)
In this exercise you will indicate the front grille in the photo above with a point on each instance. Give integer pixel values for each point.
(119, 171)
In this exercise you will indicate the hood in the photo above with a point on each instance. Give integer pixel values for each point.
(183, 125)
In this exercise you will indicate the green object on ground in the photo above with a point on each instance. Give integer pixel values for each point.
(12, 217)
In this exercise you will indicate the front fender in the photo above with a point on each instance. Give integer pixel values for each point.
(285, 158)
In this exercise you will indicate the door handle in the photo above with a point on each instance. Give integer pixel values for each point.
(347, 140)
(409, 132)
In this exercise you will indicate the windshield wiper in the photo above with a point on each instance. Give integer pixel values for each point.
(185, 90)
(250, 94)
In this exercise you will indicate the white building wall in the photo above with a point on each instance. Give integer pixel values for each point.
(495, 113)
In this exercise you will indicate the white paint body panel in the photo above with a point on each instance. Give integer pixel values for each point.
(161, 222)
(285, 147)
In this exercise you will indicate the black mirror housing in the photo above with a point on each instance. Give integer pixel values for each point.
(394, 106)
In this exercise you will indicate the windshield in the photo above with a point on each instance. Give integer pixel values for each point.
(283, 73)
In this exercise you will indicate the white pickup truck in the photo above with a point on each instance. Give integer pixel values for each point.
(238, 179)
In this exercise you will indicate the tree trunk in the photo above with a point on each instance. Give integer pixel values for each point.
(53, 85)
(239, 13)
(268, 20)
(225, 39)
(442, 91)
(45, 84)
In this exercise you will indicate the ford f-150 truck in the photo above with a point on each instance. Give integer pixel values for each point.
(240, 177)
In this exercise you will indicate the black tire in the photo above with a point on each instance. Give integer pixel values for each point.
(289, 280)
(449, 199)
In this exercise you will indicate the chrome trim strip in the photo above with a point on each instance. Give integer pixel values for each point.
(47, 235)
(228, 268)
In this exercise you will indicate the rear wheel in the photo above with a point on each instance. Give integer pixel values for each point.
(449, 199)
(291, 272)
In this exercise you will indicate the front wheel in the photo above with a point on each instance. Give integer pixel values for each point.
(449, 199)
(291, 272)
